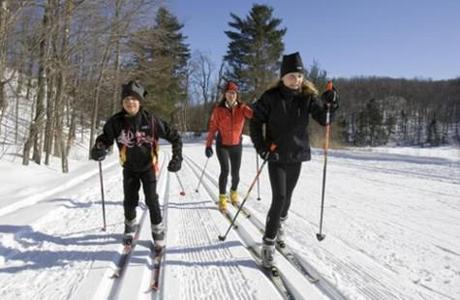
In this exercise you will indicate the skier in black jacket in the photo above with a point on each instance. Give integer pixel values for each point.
(284, 110)
(136, 132)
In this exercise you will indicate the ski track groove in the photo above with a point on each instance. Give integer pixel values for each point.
(231, 283)
(215, 185)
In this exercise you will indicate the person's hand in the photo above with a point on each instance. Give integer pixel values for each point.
(175, 164)
(98, 153)
(208, 152)
(331, 98)
(266, 154)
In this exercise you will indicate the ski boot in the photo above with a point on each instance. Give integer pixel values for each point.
(234, 198)
(130, 230)
(281, 236)
(268, 253)
(223, 202)
(158, 235)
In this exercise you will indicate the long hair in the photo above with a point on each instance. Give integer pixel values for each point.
(307, 88)
(222, 98)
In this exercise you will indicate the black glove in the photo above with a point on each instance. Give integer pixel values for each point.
(269, 155)
(98, 153)
(208, 152)
(175, 164)
(331, 98)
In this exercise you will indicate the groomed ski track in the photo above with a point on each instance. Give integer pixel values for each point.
(196, 263)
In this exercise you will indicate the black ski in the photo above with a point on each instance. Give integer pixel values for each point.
(157, 258)
(273, 274)
(128, 246)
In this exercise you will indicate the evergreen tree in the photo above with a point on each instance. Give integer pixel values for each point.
(160, 57)
(254, 50)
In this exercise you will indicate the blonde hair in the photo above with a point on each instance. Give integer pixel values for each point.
(307, 87)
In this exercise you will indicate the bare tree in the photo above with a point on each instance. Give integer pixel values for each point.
(35, 131)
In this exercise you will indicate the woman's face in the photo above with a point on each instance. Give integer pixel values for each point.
(231, 96)
(293, 80)
(131, 105)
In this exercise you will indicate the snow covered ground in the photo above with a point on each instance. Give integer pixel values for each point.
(392, 225)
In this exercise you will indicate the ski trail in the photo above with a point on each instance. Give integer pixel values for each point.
(295, 283)
(213, 269)
(58, 234)
(346, 265)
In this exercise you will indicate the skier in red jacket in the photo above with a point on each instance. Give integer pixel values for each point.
(227, 120)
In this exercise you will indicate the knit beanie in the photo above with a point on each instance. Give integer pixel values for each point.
(231, 86)
(291, 63)
(133, 88)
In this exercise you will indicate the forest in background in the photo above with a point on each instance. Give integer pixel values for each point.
(68, 58)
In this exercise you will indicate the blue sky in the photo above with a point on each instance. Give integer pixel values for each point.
(395, 38)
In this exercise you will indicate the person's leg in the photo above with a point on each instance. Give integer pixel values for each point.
(223, 157)
(131, 185)
(292, 175)
(277, 176)
(149, 184)
(235, 164)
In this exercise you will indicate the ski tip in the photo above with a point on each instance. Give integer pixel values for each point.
(115, 274)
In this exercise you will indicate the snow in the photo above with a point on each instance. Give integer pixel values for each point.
(392, 226)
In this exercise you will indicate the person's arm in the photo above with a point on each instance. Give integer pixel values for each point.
(212, 127)
(261, 111)
(247, 111)
(103, 142)
(170, 134)
(319, 107)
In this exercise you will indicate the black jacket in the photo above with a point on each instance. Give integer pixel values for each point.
(285, 114)
(137, 139)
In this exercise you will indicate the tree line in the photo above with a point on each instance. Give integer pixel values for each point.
(68, 59)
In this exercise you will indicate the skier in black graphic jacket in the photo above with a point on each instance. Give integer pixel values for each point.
(136, 132)
(284, 110)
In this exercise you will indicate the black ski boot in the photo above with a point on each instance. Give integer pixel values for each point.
(130, 230)
(158, 235)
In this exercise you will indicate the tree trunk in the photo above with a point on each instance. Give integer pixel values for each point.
(35, 132)
(95, 110)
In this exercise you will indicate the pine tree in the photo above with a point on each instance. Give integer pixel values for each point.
(160, 57)
(254, 50)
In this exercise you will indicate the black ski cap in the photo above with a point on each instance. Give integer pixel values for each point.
(291, 63)
(133, 88)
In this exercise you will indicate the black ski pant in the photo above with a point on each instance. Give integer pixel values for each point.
(131, 184)
(226, 154)
(283, 179)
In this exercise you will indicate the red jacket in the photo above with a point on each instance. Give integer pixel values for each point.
(229, 122)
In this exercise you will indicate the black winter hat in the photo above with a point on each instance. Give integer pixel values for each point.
(133, 88)
(291, 63)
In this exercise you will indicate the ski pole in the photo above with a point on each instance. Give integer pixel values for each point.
(202, 173)
(102, 194)
(320, 236)
(182, 192)
(223, 237)
(258, 182)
